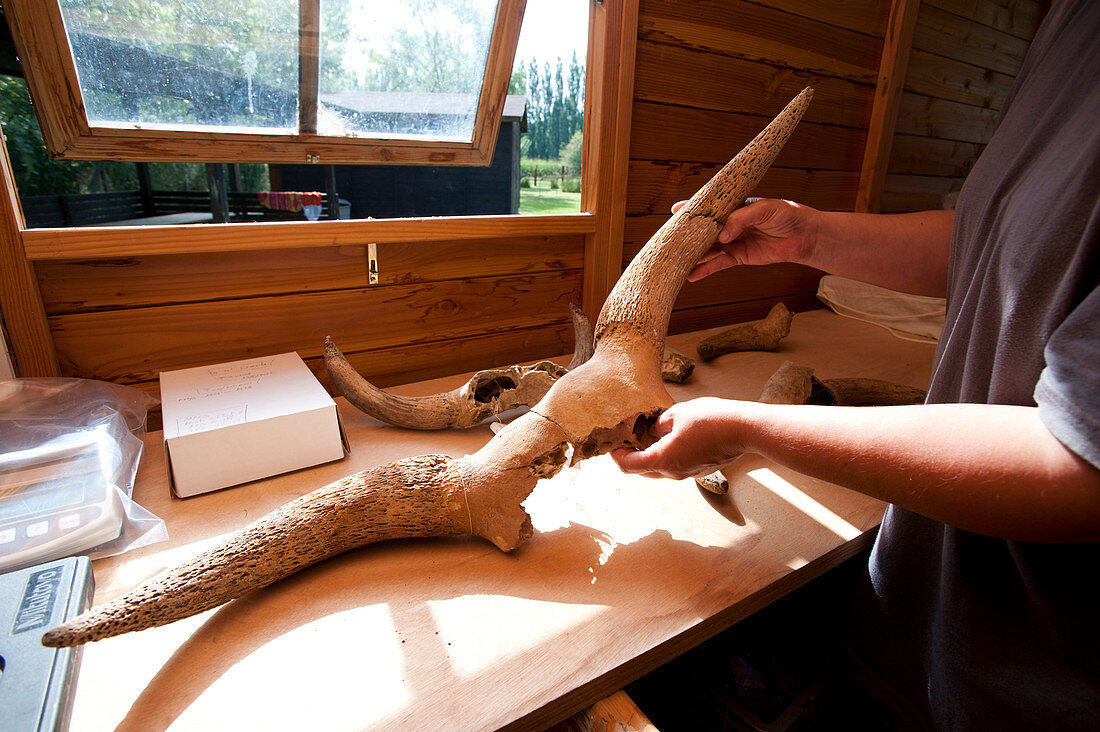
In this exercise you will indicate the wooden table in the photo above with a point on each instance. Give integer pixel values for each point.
(622, 574)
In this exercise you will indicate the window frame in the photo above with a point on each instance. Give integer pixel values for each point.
(609, 86)
(39, 33)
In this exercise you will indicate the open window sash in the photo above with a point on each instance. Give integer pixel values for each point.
(46, 49)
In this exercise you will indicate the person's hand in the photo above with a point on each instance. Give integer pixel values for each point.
(694, 438)
(765, 231)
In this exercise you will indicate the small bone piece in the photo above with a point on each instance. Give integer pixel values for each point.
(756, 335)
(609, 401)
(713, 482)
(790, 384)
(676, 367)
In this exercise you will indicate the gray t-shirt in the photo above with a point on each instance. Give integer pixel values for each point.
(977, 632)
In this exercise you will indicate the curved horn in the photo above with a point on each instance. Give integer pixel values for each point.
(433, 412)
(426, 502)
(583, 343)
(607, 402)
(419, 413)
(662, 266)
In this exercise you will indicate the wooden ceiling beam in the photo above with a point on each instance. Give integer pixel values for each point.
(893, 65)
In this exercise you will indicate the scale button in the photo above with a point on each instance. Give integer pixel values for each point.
(69, 522)
(7, 535)
(38, 528)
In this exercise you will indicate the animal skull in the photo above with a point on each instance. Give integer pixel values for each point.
(607, 402)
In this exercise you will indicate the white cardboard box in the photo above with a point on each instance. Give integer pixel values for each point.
(232, 423)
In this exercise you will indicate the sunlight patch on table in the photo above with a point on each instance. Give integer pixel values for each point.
(307, 696)
(799, 500)
(627, 508)
(472, 644)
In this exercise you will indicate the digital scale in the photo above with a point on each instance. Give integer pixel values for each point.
(37, 683)
(58, 498)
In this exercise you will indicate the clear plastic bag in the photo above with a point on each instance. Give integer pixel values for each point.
(69, 453)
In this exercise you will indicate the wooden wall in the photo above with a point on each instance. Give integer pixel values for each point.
(710, 73)
(965, 55)
(440, 307)
(707, 76)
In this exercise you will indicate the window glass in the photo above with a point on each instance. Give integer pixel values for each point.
(201, 62)
(536, 163)
(400, 69)
(550, 71)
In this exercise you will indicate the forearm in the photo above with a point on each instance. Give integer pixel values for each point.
(995, 470)
(905, 252)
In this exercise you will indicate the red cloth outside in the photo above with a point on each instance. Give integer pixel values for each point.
(289, 200)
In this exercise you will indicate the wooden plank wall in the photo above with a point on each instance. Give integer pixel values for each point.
(439, 307)
(709, 77)
(964, 58)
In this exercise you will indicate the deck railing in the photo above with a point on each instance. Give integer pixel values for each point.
(114, 207)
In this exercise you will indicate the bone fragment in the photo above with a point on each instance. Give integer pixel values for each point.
(607, 402)
(715, 482)
(790, 384)
(676, 367)
(857, 392)
(757, 335)
(795, 384)
(584, 344)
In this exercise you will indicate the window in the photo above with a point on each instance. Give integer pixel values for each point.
(412, 74)
(267, 81)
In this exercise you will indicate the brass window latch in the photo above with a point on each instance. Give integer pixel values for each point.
(372, 264)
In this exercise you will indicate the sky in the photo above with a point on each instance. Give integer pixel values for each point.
(553, 28)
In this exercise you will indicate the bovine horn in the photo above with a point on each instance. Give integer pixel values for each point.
(488, 392)
(795, 384)
(756, 335)
(583, 343)
(859, 392)
(607, 402)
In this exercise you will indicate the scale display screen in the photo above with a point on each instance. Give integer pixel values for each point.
(49, 495)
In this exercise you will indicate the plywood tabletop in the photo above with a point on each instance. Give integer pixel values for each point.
(622, 574)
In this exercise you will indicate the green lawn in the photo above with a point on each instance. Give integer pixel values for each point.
(544, 200)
